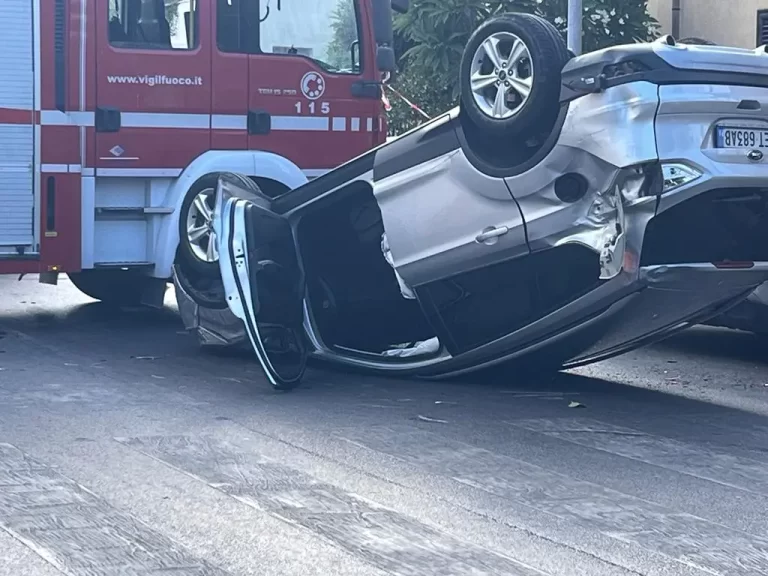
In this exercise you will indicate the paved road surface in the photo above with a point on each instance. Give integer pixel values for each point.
(125, 451)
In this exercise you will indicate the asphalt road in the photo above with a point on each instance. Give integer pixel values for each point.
(124, 450)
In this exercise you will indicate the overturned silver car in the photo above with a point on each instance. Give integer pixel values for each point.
(569, 210)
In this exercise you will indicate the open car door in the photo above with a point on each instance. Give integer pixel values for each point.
(263, 281)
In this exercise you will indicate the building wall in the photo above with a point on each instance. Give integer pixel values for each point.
(728, 22)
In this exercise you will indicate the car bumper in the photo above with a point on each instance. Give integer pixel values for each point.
(622, 315)
(671, 298)
(751, 315)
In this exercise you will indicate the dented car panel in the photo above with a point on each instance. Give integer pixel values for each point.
(603, 134)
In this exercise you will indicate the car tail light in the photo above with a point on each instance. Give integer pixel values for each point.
(728, 265)
(677, 175)
(627, 68)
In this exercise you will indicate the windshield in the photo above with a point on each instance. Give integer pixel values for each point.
(324, 30)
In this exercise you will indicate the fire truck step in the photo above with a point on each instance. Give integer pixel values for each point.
(132, 265)
(140, 210)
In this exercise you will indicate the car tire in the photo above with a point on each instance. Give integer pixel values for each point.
(112, 287)
(540, 54)
(205, 291)
(196, 252)
(203, 283)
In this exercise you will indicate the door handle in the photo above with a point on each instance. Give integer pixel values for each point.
(107, 119)
(491, 233)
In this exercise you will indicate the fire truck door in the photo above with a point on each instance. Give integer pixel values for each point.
(313, 96)
(229, 75)
(17, 132)
(153, 87)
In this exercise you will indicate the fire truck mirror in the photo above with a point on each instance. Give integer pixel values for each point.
(381, 15)
(385, 59)
(401, 6)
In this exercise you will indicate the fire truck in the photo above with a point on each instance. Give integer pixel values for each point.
(117, 115)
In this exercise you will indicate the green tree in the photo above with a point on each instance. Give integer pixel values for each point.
(344, 27)
(172, 14)
(431, 37)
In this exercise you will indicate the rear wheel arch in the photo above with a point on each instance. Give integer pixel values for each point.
(276, 173)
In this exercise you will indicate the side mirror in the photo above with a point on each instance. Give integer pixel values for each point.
(385, 59)
(401, 6)
(381, 14)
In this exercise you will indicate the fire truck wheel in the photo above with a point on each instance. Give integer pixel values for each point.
(197, 242)
(113, 287)
(510, 75)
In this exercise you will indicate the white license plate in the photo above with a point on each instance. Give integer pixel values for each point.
(732, 137)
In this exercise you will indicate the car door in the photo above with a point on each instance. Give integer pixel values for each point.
(456, 236)
(263, 281)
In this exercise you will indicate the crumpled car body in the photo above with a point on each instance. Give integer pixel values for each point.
(644, 212)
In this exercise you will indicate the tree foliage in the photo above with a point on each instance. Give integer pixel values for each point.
(344, 26)
(172, 14)
(432, 34)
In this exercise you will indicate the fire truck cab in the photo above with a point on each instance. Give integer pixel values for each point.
(117, 115)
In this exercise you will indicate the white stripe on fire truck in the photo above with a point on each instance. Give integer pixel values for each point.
(136, 172)
(229, 122)
(58, 118)
(61, 168)
(206, 121)
(141, 120)
(145, 172)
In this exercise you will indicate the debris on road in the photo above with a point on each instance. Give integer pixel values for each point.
(431, 420)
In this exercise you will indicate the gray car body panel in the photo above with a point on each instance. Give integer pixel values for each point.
(435, 201)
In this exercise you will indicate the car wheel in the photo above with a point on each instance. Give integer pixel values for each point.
(113, 287)
(198, 271)
(197, 240)
(511, 74)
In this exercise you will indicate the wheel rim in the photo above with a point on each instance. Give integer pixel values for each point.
(501, 76)
(200, 235)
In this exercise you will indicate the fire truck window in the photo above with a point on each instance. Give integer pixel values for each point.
(325, 31)
(154, 24)
(233, 18)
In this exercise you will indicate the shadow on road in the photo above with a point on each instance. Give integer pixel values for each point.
(120, 337)
(719, 343)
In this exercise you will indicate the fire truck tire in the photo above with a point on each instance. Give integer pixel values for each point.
(195, 228)
(113, 287)
(510, 75)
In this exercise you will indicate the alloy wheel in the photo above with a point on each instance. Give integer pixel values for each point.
(501, 75)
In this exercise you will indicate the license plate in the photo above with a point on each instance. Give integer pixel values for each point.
(732, 137)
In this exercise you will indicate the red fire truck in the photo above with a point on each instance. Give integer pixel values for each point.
(117, 115)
